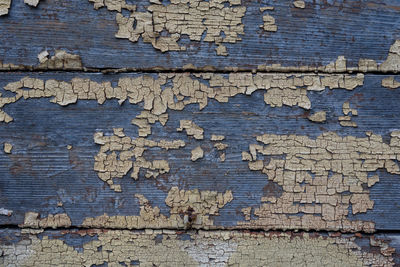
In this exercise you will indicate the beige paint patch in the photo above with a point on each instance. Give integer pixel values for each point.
(191, 128)
(319, 116)
(188, 209)
(345, 121)
(269, 21)
(7, 148)
(33, 3)
(197, 153)
(204, 248)
(392, 62)
(4, 7)
(320, 178)
(116, 154)
(33, 220)
(217, 137)
(390, 82)
(299, 4)
(163, 25)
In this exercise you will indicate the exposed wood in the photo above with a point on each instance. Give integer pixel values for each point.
(42, 172)
(313, 36)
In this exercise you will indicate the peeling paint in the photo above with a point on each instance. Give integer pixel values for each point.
(269, 21)
(319, 116)
(32, 3)
(7, 148)
(348, 112)
(299, 4)
(197, 153)
(321, 179)
(204, 248)
(390, 83)
(280, 89)
(188, 209)
(114, 160)
(219, 23)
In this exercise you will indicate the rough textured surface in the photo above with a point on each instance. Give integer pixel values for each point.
(321, 178)
(354, 29)
(58, 175)
(219, 248)
(181, 90)
(163, 25)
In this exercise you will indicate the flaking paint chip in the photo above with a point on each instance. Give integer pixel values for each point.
(319, 116)
(4, 7)
(197, 153)
(7, 148)
(299, 4)
(33, 3)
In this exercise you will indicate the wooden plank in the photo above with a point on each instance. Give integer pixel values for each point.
(356, 30)
(43, 175)
(159, 248)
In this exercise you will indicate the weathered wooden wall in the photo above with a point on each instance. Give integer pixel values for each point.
(280, 178)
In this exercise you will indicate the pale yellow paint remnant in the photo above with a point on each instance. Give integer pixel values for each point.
(220, 146)
(33, 220)
(188, 209)
(32, 3)
(265, 8)
(319, 116)
(4, 7)
(299, 4)
(390, 82)
(221, 50)
(204, 248)
(197, 153)
(321, 178)
(191, 128)
(43, 56)
(7, 148)
(222, 24)
(345, 121)
(217, 137)
(392, 62)
(114, 160)
(269, 24)
(222, 157)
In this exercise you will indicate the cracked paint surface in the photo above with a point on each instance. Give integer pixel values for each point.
(216, 21)
(188, 209)
(321, 179)
(116, 154)
(280, 89)
(202, 248)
